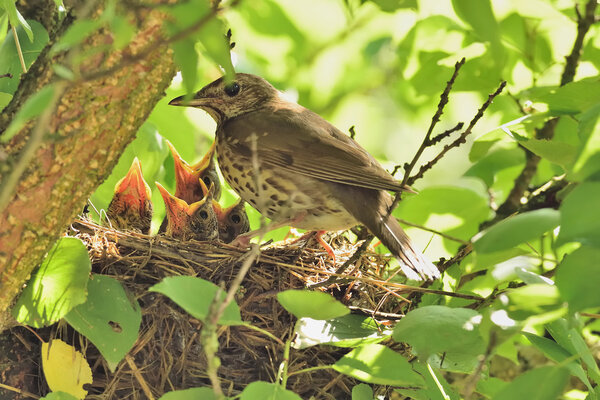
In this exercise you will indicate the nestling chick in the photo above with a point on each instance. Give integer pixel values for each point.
(131, 207)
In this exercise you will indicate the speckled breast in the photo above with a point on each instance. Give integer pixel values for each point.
(282, 195)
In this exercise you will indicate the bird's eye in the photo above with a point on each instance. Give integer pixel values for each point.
(232, 89)
(207, 181)
(203, 214)
(236, 219)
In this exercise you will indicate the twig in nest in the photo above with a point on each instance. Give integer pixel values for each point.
(460, 140)
(426, 140)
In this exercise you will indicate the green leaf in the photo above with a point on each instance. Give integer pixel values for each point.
(186, 58)
(489, 167)
(587, 165)
(574, 97)
(58, 285)
(558, 354)
(15, 18)
(513, 231)
(189, 394)
(315, 305)
(438, 331)
(576, 211)
(578, 278)
(544, 383)
(534, 297)
(33, 107)
(347, 331)
(394, 5)
(490, 387)
(58, 396)
(109, 319)
(9, 58)
(430, 391)
(573, 342)
(5, 98)
(195, 296)
(453, 210)
(374, 363)
(212, 36)
(559, 153)
(264, 390)
(362, 391)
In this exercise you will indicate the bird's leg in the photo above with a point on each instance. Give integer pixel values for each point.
(318, 235)
(243, 240)
(326, 246)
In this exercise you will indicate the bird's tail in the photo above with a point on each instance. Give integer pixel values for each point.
(370, 207)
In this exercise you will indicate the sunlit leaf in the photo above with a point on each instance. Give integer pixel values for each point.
(189, 394)
(9, 59)
(375, 363)
(347, 331)
(15, 18)
(543, 383)
(195, 296)
(448, 337)
(65, 368)
(576, 211)
(265, 390)
(315, 305)
(58, 285)
(574, 97)
(109, 319)
(578, 278)
(362, 392)
(513, 231)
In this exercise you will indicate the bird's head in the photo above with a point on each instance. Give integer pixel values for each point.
(224, 100)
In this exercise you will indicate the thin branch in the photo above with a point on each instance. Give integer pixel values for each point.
(442, 234)
(436, 118)
(436, 139)
(460, 140)
(19, 51)
(426, 140)
(7, 75)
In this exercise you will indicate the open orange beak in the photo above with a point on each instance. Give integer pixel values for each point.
(133, 188)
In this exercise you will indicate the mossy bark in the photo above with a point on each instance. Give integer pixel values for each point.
(91, 125)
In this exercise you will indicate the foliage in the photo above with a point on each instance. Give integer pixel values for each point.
(516, 208)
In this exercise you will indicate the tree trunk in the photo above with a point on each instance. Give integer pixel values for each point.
(79, 143)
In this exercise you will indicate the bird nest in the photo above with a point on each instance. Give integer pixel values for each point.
(168, 354)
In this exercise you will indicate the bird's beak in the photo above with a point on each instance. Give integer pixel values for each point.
(134, 182)
(192, 208)
(206, 160)
(189, 101)
(183, 172)
(172, 203)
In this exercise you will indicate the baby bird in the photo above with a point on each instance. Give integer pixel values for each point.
(233, 221)
(131, 207)
(185, 221)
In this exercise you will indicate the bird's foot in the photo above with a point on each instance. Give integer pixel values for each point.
(242, 241)
(326, 246)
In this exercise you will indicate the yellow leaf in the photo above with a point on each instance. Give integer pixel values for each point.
(65, 368)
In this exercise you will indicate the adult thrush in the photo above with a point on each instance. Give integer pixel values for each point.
(131, 205)
(297, 169)
(233, 221)
(185, 221)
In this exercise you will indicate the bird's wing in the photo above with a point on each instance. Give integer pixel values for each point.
(301, 141)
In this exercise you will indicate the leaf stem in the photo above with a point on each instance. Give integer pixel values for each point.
(19, 51)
